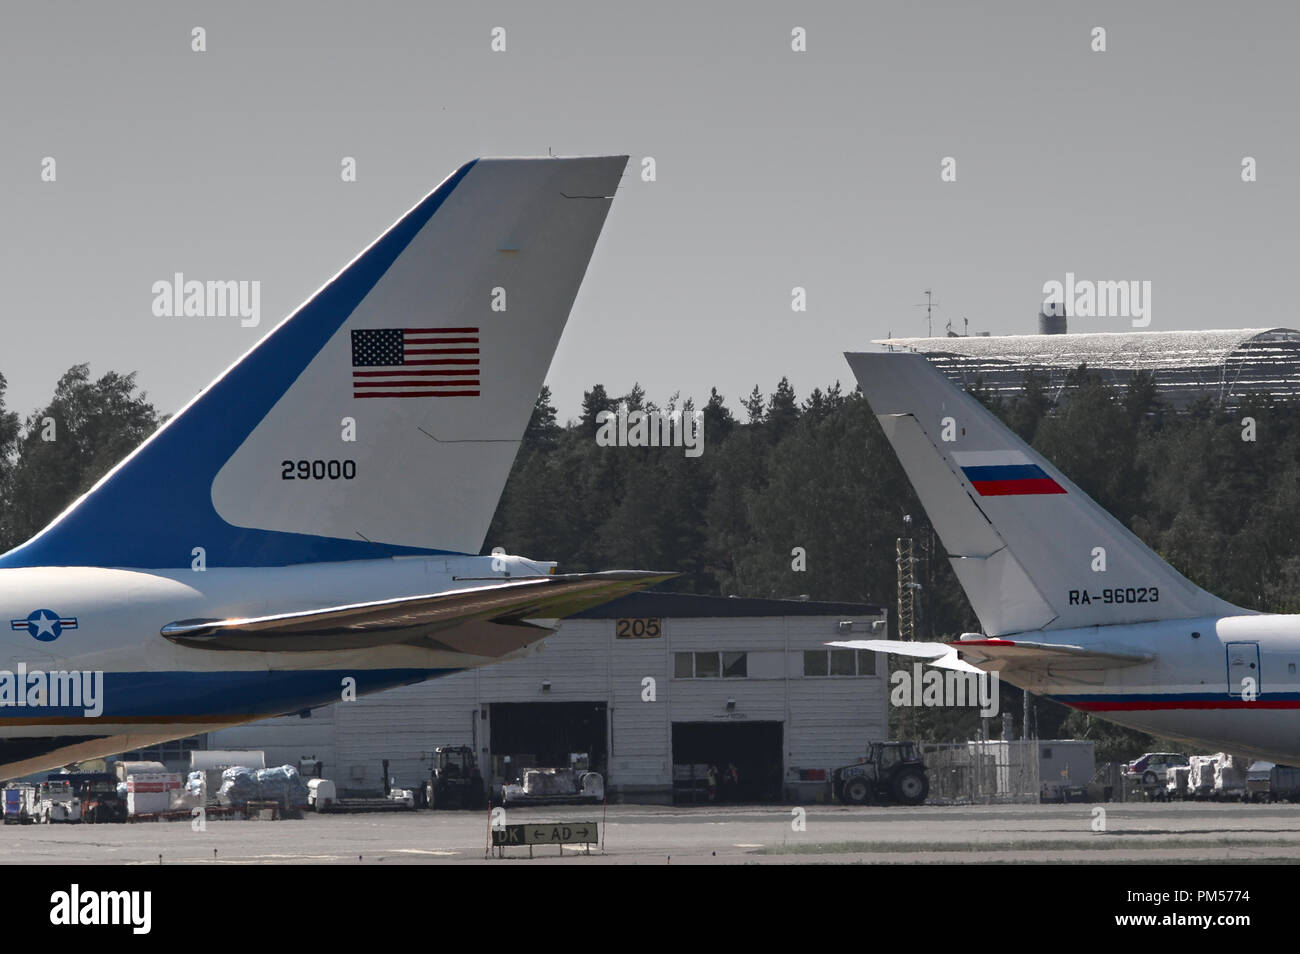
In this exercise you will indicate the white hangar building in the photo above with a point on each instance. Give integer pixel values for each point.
(654, 687)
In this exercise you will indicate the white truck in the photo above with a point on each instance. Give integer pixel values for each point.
(321, 794)
(21, 803)
(58, 803)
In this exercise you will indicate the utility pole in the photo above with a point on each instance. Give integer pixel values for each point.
(907, 587)
(906, 583)
(929, 305)
(1029, 718)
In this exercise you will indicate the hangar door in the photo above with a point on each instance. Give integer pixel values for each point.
(754, 748)
(544, 734)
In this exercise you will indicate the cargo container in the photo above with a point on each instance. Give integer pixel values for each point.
(149, 793)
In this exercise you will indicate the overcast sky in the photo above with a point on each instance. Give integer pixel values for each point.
(775, 169)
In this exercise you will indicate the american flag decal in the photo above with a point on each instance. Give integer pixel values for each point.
(415, 362)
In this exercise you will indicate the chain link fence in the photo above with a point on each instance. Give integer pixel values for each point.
(992, 772)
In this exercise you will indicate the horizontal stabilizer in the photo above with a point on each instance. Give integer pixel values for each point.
(481, 620)
(1004, 655)
(939, 655)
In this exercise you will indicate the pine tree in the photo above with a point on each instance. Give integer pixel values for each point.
(95, 425)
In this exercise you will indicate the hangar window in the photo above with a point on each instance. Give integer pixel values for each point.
(710, 665)
(814, 663)
(735, 665)
(683, 665)
(866, 662)
(844, 662)
(839, 662)
(706, 666)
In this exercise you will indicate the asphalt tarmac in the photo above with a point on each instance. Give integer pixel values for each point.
(1143, 833)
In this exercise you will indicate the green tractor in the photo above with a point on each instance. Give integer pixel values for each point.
(455, 781)
(891, 773)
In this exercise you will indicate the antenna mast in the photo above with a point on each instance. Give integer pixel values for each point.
(929, 305)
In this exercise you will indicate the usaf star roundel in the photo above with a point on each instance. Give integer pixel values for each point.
(45, 625)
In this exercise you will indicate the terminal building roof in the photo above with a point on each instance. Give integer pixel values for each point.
(1223, 364)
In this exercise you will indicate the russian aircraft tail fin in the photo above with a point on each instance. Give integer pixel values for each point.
(381, 417)
(1031, 550)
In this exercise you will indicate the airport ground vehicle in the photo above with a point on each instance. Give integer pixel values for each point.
(58, 802)
(1284, 784)
(1149, 769)
(572, 784)
(1267, 782)
(97, 792)
(891, 772)
(455, 781)
(20, 804)
(1258, 781)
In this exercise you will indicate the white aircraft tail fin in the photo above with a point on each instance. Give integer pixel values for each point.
(1031, 550)
(382, 417)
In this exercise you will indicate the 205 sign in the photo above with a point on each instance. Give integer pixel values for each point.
(637, 629)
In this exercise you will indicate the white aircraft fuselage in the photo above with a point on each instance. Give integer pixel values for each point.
(109, 622)
(1233, 686)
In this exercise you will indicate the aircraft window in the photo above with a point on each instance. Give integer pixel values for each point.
(683, 666)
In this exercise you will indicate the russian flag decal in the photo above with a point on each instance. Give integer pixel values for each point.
(1004, 474)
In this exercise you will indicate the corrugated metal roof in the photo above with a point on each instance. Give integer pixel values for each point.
(1123, 350)
(692, 605)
